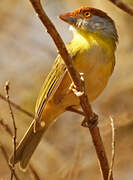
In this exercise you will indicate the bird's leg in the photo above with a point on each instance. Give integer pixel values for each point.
(92, 123)
(72, 109)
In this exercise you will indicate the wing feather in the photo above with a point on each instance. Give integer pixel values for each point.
(53, 81)
(50, 85)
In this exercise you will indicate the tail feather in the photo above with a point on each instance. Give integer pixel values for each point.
(27, 146)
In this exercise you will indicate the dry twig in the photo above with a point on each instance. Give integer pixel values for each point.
(17, 107)
(113, 149)
(6, 127)
(8, 130)
(14, 128)
(6, 158)
(34, 173)
(78, 83)
(123, 6)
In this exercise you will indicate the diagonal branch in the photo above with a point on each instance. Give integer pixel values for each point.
(113, 149)
(7, 128)
(6, 158)
(9, 131)
(16, 106)
(78, 83)
(7, 87)
(123, 6)
(34, 173)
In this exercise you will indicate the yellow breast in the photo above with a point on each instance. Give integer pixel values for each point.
(96, 60)
(92, 57)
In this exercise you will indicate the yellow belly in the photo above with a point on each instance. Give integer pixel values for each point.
(96, 68)
(93, 58)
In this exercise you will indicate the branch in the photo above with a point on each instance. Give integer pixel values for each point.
(6, 158)
(8, 130)
(113, 149)
(7, 87)
(78, 83)
(17, 106)
(6, 127)
(123, 6)
(34, 173)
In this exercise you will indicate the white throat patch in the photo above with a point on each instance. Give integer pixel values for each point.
(71, 28)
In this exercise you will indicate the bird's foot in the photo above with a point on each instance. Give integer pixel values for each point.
(75, 91)
(92, 123)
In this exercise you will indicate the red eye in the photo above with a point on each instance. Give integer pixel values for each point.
(87, 14)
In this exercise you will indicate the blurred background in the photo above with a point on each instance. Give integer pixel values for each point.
(26, 56)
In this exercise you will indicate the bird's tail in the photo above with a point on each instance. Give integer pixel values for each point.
(27, 146)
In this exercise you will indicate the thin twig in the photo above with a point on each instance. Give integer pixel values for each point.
(34, 173)
(79, 86)
(17, 107)
(113, 149)
(7, 87)
(123, 6)
(8, 130)
(6, 127)
(6, 158)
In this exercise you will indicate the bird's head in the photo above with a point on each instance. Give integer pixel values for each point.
(90, 20)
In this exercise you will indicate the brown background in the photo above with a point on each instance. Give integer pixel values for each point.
(26, 55)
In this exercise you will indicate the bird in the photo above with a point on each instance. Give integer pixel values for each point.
(92, 50)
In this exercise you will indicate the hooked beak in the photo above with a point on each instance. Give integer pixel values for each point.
(69, 18)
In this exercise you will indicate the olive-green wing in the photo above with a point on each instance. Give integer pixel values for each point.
(53, 81)
(50, 85)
